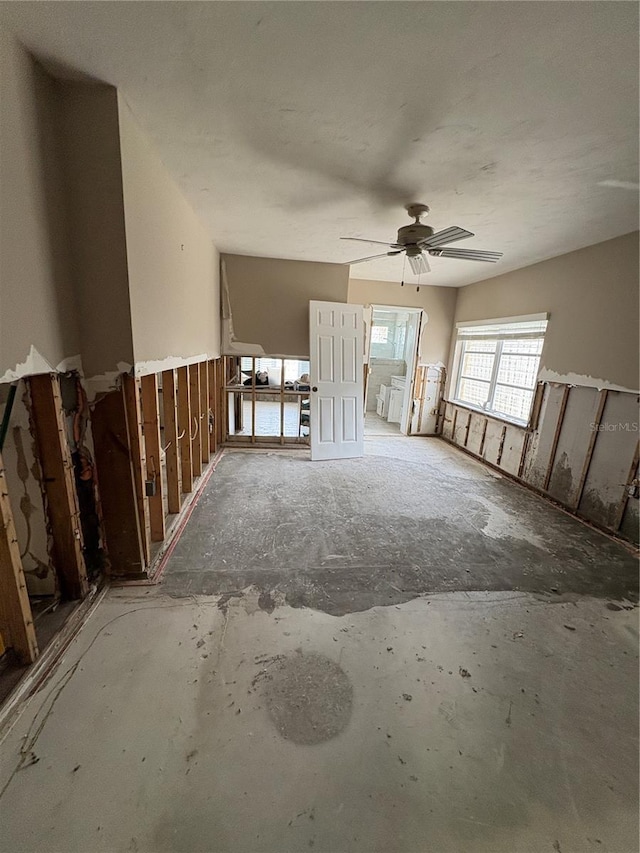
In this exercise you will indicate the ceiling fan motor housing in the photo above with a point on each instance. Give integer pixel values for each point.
(411, 234)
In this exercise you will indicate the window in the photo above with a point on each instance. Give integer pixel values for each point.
(498, 365)
(379, 334)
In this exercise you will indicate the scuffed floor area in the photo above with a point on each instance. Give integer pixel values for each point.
(484, 722)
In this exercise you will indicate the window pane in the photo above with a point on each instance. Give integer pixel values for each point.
(481, 346)
(518, 369)
(477, 365)
(529, 345)
(512, 402)
(379, 334)
(473, 391)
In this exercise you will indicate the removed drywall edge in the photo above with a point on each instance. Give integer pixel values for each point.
(144, 368)
(546, 375)
(35, 363)
(104, 382)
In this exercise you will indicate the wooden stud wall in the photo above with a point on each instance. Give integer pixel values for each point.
(131, 389)
(171, 432)
(184, 429)
(62, 508)
(151, 422)
(117, 485)
(16, 621)
(195, 426)
(588, 433)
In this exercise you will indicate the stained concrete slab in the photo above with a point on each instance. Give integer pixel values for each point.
(479, 722)
(412, 516)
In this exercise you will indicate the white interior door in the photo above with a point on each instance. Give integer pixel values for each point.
(411, 357)
(336, 368)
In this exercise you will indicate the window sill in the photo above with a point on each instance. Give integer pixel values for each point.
(491, 415)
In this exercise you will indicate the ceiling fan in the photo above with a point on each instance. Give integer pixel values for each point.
(418, 240)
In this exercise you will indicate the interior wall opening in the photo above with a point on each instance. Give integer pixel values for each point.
(267, 400)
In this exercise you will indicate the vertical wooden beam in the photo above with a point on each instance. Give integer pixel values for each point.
(185, 427)
(172, 454)
(204, 411)
(151, 422)
(213, 405)
(63, 512)
(484, 436)
(221, 411)
(501, 446)
(592, 442)
(16, 621)
(131, 391)
(116, 485)
(196, 432)
(466, 430)
(556, 436)
(633, 473)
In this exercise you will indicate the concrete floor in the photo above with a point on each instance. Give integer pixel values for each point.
(287, 717)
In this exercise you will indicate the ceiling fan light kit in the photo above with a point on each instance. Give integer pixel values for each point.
(418, 240)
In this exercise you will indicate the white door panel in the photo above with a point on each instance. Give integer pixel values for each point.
(336, 367)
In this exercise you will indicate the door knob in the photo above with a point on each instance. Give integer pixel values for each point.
(315, 388)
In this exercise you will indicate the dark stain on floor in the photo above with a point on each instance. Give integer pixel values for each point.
(308, 697)
(349, 535)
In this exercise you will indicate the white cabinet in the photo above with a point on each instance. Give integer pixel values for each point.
(394, 411)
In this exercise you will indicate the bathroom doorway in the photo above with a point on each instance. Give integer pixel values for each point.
(392, 356)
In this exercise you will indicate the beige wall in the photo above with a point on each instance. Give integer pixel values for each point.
(438, 302)
(173, 266)
(89, 128)
(592, 299)
(36, 297)
(270, 299)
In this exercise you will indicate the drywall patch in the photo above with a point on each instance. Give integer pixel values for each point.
(546, 375)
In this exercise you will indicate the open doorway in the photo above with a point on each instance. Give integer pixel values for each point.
(392, 359)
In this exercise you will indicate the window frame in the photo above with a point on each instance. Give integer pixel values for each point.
(462, 348)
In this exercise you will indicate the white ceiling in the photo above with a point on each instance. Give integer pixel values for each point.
(290, 124)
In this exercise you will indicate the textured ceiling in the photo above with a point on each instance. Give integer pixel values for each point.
(290, 124)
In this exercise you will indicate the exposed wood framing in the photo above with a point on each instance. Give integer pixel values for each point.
(466, 430)
(16, 620)
(556, 436)
(483, 438)
(453, 425)
(151, 428)
(253, 401)
(195, 432)
(204, 411)
(602, 399)
(523, 455)
(282, 403)
(213, 405)
(54, 456)
(117, 487)
(501, 446)
(185, 427)
(131, 390)
(220, 411)
(171, 450)
(633, 473)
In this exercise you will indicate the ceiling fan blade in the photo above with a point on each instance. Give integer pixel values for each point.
(418, 264)
(363, 240)
(371, 258)
(449, 235)
(466, 254)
